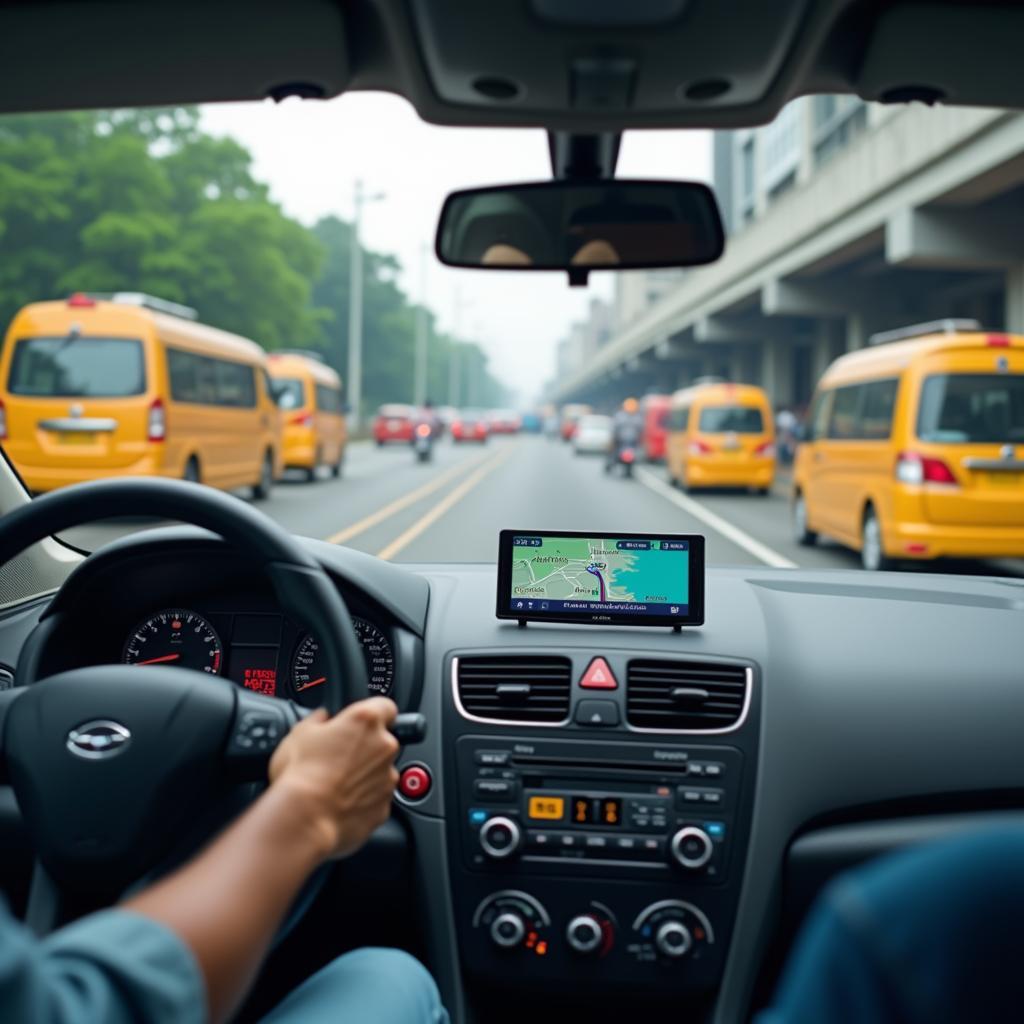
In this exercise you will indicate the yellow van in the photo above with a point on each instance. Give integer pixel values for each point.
(721, 435)
(915, 448)
(92, 388)
(309, 395)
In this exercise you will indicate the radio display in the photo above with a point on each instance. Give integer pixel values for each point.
(616, 579)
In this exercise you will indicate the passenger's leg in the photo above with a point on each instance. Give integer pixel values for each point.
(369, 986)
(934, 934)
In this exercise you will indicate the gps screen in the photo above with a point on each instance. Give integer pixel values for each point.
(638, 578)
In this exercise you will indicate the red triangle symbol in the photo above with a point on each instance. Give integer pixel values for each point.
(598, 676)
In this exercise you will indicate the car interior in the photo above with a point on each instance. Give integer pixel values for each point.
(545, 859)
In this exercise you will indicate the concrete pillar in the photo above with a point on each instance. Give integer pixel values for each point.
(822, 348)
(856, 331)
(777, 373)
(1014, 316)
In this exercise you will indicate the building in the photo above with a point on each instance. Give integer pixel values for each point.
(844, 219)
(585, 338)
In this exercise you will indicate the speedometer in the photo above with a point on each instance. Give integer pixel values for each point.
(176, 637)
(309, 672)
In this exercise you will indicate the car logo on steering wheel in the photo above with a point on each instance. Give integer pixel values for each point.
(98, 740)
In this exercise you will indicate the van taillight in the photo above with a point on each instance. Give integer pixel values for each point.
(699, 448)
(912, 468)
(766, 450)
(157, 429)
(3, 421)
(998, 341)
(302, 419)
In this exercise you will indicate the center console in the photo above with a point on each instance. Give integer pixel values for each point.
(596, 854)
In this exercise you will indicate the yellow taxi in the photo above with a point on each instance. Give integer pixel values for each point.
(134, 386)
(721, 435)
(915, 447)
(310, 397)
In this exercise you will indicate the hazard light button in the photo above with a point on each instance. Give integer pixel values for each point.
(598, 676)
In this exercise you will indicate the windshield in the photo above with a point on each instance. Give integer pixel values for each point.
(154, 259)
(731, 419)
(76, 367)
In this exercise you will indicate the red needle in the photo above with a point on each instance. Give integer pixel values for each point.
(315, 682)
(156, 661)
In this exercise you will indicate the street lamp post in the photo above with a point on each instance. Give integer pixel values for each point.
(419, 389)
(454, 361)
(355, 307)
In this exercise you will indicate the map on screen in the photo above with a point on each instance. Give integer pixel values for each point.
(558, 574)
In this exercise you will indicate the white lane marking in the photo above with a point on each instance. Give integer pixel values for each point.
(721, 526)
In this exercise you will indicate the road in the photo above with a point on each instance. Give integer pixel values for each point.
(452, 509)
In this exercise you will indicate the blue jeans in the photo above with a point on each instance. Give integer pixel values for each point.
(369, 986)
(931, 935)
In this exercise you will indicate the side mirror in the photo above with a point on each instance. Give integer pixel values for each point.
(579, 226)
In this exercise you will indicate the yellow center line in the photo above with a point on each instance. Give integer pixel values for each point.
(396, 506)
(443, 506)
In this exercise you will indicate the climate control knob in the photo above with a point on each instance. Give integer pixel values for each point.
(508, 930)
(584, 934)
(691, 848)
(673, 940)
(500, 838)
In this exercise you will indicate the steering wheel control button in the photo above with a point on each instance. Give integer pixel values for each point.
(415, 782)
(599, 676)
(500, 838)
(584, 934)
(597, 713)
(691, 848)
(507, 930)
(673, 940)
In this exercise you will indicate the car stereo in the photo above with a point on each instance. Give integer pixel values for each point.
(623, 579)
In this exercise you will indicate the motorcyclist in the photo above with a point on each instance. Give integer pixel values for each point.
(627, 427)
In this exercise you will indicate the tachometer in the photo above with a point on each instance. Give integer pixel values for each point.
(308, 672)
(177, 637)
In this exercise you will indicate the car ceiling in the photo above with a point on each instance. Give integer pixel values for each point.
(565, 65)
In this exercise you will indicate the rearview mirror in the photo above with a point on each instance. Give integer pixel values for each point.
(579, 226)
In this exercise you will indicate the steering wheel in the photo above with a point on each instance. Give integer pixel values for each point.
(111, 764)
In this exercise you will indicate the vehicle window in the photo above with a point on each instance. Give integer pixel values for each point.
(328, 399)
(661, 419)
(819, 414)
(974, 408)
(290, 392)
(879, 405)
(679, 418)
(77, 368)
(205, 381)
(844, 423)
(731, 419)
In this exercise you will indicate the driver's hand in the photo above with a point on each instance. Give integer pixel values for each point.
(343, 769)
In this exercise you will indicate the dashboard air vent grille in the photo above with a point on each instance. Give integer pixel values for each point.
(685, 695)
(515, 688)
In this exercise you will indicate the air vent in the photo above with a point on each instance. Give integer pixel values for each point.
(514, 688)
(689, 696)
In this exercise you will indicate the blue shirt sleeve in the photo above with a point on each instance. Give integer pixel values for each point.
(114, 967)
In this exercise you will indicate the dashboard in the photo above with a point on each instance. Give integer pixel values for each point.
(620, 861)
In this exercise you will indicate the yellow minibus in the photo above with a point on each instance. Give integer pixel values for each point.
(915, 448)
(310, 397)
(134, 386)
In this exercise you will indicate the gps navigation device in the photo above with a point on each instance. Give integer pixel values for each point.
(620, 579)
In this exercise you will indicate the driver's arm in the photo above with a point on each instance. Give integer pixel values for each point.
(331, 786)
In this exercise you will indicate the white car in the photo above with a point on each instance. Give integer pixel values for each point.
(593, 435)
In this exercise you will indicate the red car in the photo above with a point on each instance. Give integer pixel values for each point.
(394, 423)
(505, 421)
(469, 427)
(570, 417)
(655, 409)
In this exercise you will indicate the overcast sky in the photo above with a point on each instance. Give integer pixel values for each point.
(311, 154)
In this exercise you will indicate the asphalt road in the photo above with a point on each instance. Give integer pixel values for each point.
(452, 508)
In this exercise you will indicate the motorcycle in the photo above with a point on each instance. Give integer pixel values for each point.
(423, 442)
(623, 453)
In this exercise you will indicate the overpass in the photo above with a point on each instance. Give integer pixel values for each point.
(919, 218)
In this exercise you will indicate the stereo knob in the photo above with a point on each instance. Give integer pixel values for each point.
(673, 939)
(691, 848)
(500, 837)
(507, 930)
(584, 934)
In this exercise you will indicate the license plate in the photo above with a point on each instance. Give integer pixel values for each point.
(1002, 480)
(393, 425)
(76, 438)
